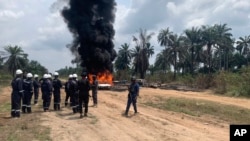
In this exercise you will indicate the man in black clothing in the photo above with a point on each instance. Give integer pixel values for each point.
(57, 85)
(17, 93)
(94, 88)
(73, 89)
(46, 88)
(84, 87)
(132, 95)
(28, 93)
(36, 85)
(66, 86)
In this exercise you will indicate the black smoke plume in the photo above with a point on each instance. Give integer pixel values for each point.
(91, 23)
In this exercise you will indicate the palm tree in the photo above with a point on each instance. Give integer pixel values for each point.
(124, 57)
(141, 61)
(243, 46)
(16, 58)
(163, 61)
(224, 43)
(194, 37)
(176, 49)
(209, 39)
(163, 37)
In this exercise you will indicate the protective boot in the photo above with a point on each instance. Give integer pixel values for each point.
(17, 114)
(29, 109)
(12, 113)
(58, 107)
(74, 110)
(23, 109)
(55, 107)
(135, 108)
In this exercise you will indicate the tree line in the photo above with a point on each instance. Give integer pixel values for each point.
(13, 58)
(205, 49)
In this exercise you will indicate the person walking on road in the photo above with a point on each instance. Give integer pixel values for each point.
(84, 87)
(57, 85)
(16, 94)
(46, 88)
(73, 89)
(36, 85)
(66, 86)
(94, 88)
(132, 95)
(28, 93)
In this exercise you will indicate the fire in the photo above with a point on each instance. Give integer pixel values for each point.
(102, 77)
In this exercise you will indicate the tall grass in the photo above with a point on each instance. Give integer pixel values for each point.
(194, 107)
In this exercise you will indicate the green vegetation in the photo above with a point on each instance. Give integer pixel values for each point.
(193, 107)
(26, 127)
(5, 107)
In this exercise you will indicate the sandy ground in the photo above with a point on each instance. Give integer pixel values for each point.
(107, 123)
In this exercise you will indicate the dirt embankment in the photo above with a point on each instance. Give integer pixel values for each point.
(106, 122)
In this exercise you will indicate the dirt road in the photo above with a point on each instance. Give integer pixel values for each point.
(107, 123)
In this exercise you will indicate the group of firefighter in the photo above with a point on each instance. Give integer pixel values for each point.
(77, 92)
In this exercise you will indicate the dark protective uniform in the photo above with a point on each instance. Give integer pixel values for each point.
(28, 93)
(46, 88)
(57, 85)
(66, 86)
(16, 96)
(36, 85)
(94, 88)
(73, 90)
(132, 96)
(84, 87)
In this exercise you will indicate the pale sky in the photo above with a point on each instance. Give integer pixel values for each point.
(39, 29)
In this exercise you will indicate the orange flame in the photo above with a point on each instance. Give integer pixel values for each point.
(102, 77)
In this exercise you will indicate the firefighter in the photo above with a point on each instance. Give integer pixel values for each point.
(57, 85)
(66, 86)
(73, 89)
(28, 93)
(46, 88)
(36, 85)
(132, 95)
(94, 88)
(16, 94)
(84, 87)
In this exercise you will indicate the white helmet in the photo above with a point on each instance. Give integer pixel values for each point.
(74, 75)
(70, 76)
(19, 71)
(35, 76)
(45, 76)
(56, 73)
(29, 75)
(49, 75)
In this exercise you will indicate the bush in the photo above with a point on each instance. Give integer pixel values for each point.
(204, 81)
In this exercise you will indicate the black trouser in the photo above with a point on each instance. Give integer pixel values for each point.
(75, 102)
(94, 96)
(15, 104)
(131, 99)
(83, 99)
(67, 98)
(57, 100)
(36, 95)
(27, 102)
(46, 100)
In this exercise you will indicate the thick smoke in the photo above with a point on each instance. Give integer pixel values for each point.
(91, 23)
